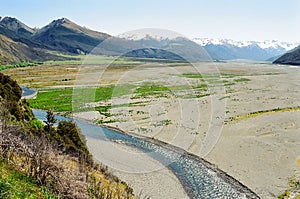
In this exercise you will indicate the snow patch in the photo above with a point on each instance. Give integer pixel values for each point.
(149, 33)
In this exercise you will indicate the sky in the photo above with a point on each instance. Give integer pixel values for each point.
(252, 20)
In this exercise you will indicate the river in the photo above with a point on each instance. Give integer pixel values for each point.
(199, 178)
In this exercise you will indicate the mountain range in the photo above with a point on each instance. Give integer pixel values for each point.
(21, 42)
(226, 49)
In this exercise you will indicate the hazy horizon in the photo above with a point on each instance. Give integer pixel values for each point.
(248, 20)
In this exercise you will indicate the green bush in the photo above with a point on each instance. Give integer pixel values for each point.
(36, 124)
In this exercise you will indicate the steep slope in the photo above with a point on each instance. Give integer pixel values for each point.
(66, 36)
(12, 52)
(291, 58)
(9, 51)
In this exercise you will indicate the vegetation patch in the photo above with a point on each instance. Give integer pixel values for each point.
(242, 80)
(14, 184)
(151, 89)
(104, 110)
(201, 76)
(224, 97)
(294, 189)
(163, 123)
(20, 65)
(201, 87)
(93, 60)
(192, 75)
(59, 100)
(257, 113)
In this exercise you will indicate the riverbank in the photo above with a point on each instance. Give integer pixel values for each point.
(147, 177)
(157, 180)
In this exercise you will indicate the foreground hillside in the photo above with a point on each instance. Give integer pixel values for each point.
(47, 161)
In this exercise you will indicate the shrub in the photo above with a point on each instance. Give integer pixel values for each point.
(71, 137)
(36, 124)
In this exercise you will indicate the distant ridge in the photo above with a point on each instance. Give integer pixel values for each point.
(290, 58)
(227, 49)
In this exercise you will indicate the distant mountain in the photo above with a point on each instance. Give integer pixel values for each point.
(66, 36)
(169, 44)
(290, 58)
(154, 53)
(226, 49)
(215, 49)
(19, 32)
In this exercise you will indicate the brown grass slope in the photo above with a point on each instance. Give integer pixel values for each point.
(12, 52)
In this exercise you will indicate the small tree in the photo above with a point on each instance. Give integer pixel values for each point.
(50, 120)
(71, 135)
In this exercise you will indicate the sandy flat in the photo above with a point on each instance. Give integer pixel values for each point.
(147, 176)
(262, 152)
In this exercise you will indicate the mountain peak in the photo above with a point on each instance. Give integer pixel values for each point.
(59, 22)
(15, 25)
(10, 21)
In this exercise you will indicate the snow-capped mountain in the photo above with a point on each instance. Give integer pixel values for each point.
(226, 49)
(162, 41)
(262, 44)
(150, 33)
(217, 49)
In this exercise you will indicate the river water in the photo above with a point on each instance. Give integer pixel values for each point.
(198, 179)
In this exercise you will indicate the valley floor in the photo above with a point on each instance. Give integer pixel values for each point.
(244, 118)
